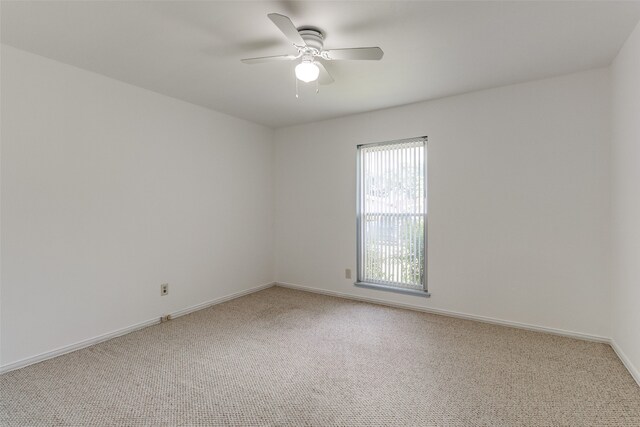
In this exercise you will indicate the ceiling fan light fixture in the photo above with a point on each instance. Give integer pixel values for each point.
(307, 71)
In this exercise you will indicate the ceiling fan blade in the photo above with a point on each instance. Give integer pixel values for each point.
(288, 29)
(358, 53)
(324, 78)
(269, 59)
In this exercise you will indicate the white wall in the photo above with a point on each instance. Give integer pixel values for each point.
(625, 206)
(518, 201)
(109, 190)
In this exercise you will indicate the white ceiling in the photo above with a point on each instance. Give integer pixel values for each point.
(192, 50)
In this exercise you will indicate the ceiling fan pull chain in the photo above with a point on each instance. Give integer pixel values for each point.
(297, 88)
(317, 87)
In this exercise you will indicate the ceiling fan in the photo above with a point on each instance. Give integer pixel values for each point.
(309, 41)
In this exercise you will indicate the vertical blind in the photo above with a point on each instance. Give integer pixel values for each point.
(392, 214)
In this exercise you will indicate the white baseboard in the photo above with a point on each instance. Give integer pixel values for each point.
(76, 346)
(105, 337)
(219, 300)
(448, 313)
(635, 373)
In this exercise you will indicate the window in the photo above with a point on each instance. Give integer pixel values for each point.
(392, 215)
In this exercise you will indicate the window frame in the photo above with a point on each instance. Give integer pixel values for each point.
(360, 223)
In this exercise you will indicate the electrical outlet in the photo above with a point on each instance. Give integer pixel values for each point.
(164, 289)
(165, 318)
(347, 273)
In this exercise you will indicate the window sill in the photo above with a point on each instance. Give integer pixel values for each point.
(413, 292)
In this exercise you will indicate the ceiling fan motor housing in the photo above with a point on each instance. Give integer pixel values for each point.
(312, 36)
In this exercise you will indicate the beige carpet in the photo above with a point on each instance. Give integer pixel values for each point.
(284, 357)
